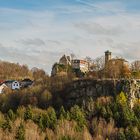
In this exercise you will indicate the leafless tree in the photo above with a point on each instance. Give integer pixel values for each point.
(99, 63)
(135, 66)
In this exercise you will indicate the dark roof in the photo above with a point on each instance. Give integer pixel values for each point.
(107, 51)
(9, 81)
(27, 80)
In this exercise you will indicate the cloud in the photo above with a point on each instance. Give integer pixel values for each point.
(98, 29)
(130, 50)
(112, 7)
(34, 42)
(44, 59)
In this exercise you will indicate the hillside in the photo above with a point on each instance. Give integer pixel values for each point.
(61, 108)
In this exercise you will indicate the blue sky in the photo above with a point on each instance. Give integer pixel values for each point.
(38, 32)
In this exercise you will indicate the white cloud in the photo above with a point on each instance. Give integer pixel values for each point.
(32, 42)
(97, 29)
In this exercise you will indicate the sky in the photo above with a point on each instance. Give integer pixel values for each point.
(39, 32)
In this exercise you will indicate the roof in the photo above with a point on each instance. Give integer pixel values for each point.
(9, 81)
(1, 82)
(27, 80)
(65, 57)
(107, 51)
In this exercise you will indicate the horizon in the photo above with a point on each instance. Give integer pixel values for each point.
(38, 33)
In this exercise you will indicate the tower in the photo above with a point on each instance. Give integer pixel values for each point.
(107, 56)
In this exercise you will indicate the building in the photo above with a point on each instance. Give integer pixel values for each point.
(2, 87)
(114, 61)
(81, 65)
(108, 56)
(65, 60)
(12, 84)
(26, 83)
(115, 67)
(66, 65)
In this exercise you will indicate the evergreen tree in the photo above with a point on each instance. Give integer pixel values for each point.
(11, 115)
(28, 113)
(20, 135)
(79, 116)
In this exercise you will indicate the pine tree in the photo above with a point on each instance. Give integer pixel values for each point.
(20, 135)
(11, 115)
(28, 113)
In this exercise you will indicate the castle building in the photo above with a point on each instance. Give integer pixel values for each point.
(65, 60)
(115, 67)
(81, 65)
(114, 61)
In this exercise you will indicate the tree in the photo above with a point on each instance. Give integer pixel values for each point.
(121, 135)
(99, 63)
(11, 115)
(28, 113)
(78, 115)
(20, 135)
(121, 99)
(63, 113)
(117, 68)
(45, 99)
(50, 119)
(39, 74)
(137, 110)
(132, 133)
(7, 124)
(135, 66)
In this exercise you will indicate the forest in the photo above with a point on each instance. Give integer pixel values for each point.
(38, 112)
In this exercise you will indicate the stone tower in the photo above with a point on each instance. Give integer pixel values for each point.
(107, 56)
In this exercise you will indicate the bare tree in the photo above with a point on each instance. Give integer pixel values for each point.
(99, 63)
(135, 66)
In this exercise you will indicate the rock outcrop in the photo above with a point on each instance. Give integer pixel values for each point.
(80, 90)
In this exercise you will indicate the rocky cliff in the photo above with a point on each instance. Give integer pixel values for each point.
(78, 91)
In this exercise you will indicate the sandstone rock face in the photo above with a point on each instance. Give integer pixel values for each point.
(80, 90)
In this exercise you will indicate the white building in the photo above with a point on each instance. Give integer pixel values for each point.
(2, 87)
(12, 84)
(82, 65)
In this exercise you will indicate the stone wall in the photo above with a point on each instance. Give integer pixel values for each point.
(80, 90)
